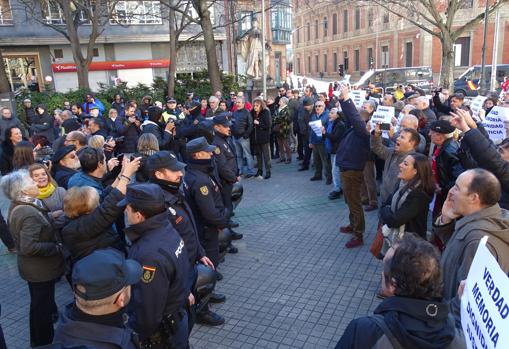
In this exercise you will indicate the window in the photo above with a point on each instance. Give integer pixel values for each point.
(325, 24)
(95, 52)
(138, 12)
(281, 20)
(317, 64)
(345, 21)
(357, 18)
(245, 18)
(466, 4)
(309, 65)
(52, 13)
(462, 52)
(334, 24)
(386, 17)
(308, 32)
(408, 54)
(345, 60)
(371, 61)
(371, 18)
(325, 63)
(297, 68)
(335, 60)
(356, 60)
(58, 53)
(5, 13)
(385, 56)
(316, 28)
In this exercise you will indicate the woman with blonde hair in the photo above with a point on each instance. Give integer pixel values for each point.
(49, 192)
(147, 145)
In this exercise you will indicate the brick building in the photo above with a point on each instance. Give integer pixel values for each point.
(326, 35)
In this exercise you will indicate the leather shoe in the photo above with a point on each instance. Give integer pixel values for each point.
(334, 195)
(232, 224)
(312, 179)
(354, 242)
(235, 235)
(346, 229)
(232, 249)
(219, 276)
(209, 318)
(328, 181)
(217, 298)
(371, 208)
(303, 168)
(267, 175)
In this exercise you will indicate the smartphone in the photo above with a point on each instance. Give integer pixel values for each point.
(120, 158)
(385, 127)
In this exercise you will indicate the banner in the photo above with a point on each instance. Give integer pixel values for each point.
(495, 123)
(382, 115)
(358, 97)
(484, 303)
(476, 106)
(113, 65)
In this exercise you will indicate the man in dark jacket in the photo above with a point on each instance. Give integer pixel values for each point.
(42, 124)
(303, 118)
(413, 316)
(158, 308)
(317, 142)
(455, 102)
(129, 127)
(241, 130)
(102, 284)
(151, 125)
(166, 171)
(65, 164)
(352, 155)
(29, 112)
(203, 193)
(334, 133)
(97, 127)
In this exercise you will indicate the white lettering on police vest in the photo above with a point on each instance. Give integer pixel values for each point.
(179, 249)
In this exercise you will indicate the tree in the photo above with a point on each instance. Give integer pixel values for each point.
(437, 17)
(4, 82)
(74, 15)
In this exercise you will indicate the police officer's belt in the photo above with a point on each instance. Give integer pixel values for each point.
(167, 329)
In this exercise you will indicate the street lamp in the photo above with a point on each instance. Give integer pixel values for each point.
(482, 84)
(264, 63)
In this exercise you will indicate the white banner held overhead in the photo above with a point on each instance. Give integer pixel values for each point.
(476, 106)
(358, 97)
(484, 304)
(382, 115)
(495, 123)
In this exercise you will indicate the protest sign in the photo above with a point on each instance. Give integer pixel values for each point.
(495, 123)
(382, 115)
(476, 106)
(358, 97)
(484, 303)
(316, 126)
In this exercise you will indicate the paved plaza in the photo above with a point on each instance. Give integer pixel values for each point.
(292, 284)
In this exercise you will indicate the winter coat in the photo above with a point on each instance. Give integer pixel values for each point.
(131, 134)
(164, 138)
(353, 151)
(43, 125)
(485, 153)
(89, 232)
(409, 323)
(97, 103)
(6, 153)
(392, 159)
(242, 123)
(39, 258)
(413, 212)
(303, 118)
(336, 135)
(7, 123)
(111, 127)
(281, 123)
(448, 165)
(62, 175)
(261, 132)
(461, 239)
(55, 202)
(324, 118)
(81, 179)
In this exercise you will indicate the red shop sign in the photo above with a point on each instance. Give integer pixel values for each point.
(113, 65)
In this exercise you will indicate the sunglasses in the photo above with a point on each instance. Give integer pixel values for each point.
(319, 106)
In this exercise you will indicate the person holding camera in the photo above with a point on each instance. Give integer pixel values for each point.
(129, 127)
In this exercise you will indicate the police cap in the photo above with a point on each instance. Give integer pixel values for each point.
(144, 195)
(164, 159)
(103, 273)
(222, 119)
(199, 144)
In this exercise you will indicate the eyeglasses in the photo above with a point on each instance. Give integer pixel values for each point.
(319, 106)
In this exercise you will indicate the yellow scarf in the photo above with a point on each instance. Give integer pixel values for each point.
(46, 192)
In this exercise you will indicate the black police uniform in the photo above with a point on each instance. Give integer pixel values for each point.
(203, 193)
(226, 162)
(158, 301)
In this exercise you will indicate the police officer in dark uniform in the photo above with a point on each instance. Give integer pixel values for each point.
(158, 303)
(166, 171)
(203, 193)
(102, 288)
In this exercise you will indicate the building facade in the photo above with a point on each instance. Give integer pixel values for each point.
(364, 37)
(134, 46)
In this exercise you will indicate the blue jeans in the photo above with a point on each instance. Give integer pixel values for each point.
(243, 150)
(336, 177)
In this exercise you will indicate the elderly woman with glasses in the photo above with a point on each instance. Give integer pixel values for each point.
(40, 261)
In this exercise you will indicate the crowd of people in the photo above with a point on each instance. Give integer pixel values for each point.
(133, 205)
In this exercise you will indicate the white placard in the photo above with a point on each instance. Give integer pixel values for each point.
(476, 106)
(494, 123)
(485, 302)
(316, 126)
(358, 97)
(382, 115)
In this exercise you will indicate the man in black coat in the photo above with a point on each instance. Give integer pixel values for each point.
(129, 127)
(166, 171)
(303, 119)
(203, 193)
(157, 311)
(65, 164)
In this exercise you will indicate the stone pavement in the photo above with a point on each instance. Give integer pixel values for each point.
(292, 284)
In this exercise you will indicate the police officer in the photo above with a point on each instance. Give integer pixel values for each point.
(203, 193)
(102, 289)
(166, 171)
(158, 306)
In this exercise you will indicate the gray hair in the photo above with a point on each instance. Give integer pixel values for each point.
(213, 99)
(371, 103)
(284, 100)
(67, 114)
(422, 99)
(412, 119)
(241, 99)
(14, 183)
